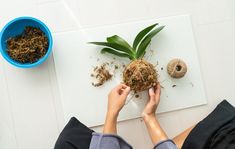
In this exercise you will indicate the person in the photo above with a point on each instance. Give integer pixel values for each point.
(216, 131)
(116, 100)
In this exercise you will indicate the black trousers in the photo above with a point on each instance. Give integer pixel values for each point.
(75, 135)
(216, 131)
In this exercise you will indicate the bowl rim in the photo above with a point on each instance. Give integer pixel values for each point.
(27, 65)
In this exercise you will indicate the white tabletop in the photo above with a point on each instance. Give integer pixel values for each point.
(30, 107)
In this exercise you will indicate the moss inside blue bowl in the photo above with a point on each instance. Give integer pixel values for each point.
(14, 29)
(29, 46)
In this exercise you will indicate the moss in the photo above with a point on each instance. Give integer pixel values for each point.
(140, 75)
(29, 46)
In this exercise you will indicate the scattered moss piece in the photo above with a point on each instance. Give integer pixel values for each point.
(101, 74)
(192, 84)
(29, 46)
(137, 96)
(116, 67)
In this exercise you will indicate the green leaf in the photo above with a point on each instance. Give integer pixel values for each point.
(115, 46)
(143, 53)
(145, 42)
(118, 40)
(142, 34)
(117, 53)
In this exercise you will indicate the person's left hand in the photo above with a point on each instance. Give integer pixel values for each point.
(117, 98)
(152, 104)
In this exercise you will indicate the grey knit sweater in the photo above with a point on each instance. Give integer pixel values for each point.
(109, 141)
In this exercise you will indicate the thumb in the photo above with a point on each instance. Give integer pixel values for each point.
(126, 91)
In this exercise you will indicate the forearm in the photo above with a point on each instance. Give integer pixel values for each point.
(110, 126)
(156, 133)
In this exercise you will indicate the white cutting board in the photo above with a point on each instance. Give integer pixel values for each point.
(75, 59)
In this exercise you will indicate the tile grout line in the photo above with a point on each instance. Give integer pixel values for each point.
(10, 102)
(52, 71)
(78, 22)
(199, 60)
(53, 92)
(79, 25)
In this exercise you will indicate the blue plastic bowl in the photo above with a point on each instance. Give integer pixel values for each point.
(16, 27)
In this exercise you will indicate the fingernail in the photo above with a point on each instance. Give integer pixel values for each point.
(128, 88)
(151, 89)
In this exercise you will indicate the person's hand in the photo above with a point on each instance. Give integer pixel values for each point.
(154, 99)
(117, 98)
(156, 132)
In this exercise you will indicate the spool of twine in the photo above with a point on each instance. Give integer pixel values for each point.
(176, 68)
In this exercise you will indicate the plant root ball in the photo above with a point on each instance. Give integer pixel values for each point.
(140, 75)
(176, 68)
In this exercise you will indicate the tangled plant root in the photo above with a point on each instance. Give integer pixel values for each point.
(140, 75)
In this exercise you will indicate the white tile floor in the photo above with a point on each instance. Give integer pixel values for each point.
(30, 108)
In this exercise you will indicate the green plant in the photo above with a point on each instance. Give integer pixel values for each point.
(139, 74)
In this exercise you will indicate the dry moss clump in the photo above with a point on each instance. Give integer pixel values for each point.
(29, 46)
(101, 74)
(140, 75)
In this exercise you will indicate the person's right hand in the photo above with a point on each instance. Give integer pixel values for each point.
(117, 98)
(154, 99)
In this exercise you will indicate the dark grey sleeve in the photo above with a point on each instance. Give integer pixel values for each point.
(108, 141)
(166, 144)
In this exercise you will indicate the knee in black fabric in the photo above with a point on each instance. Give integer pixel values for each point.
(208, 133)
(75, 135)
